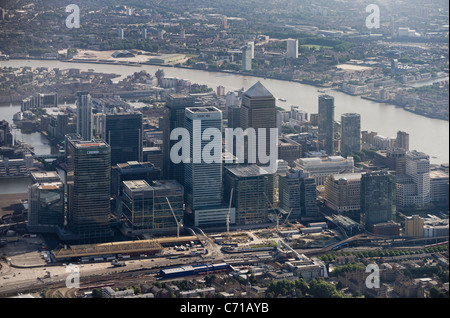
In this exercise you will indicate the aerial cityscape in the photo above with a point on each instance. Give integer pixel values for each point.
(200, 149)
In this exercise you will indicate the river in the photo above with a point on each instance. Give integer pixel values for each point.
(426, 134)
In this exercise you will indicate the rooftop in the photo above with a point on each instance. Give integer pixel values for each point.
(258, 90)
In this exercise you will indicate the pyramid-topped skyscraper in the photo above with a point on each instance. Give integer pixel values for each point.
(258, 111)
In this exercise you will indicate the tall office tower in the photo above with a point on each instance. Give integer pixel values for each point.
(6, 137)
(292, 48)
(289, 193)
(377, 198)
(123, 133)
(402, 140)
(247, 58)
(249, 184)
(174, 117)
(350, 133)
(84, 115)
(258, 111)
(203, 174)
(326, 123)
(88, 182)
(45, 202)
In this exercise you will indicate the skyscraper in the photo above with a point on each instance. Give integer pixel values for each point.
(350, 133)
(123, 133)
(249, 185)
(326, 123)
(377, 198)
(258, 112)
(247, 58)
(84, 115)
(292, 48)
(402, 140)
(203, 174)
(88, 186)
(174, 117)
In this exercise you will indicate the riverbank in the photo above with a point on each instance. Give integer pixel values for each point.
(17, 99)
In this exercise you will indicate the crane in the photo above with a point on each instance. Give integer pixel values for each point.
(278, 215)
(229, 211)
(178, 223)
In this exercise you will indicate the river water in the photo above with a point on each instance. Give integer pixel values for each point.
(426, 134)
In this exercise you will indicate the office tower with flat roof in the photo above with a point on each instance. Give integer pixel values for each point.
(343, 194)
(402, 140)
(292, 48)
(88, 182)
(326, 123)
(84, 115)
(132, 170)
(350, 133)
(45, 203)
(377, 198)
(249, 185)
(123, 133)
(174, 117)
(258, 112)
(148, 206)
(203, 172)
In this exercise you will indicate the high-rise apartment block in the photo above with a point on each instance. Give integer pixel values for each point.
(247, 58)
(350, 133)
(84, 115)
(292, 48)
(326, 123)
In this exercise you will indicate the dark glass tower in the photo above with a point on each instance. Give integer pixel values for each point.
(350, 133)
(174, 116)
(123, 133)
(326, 123)
(378, 192)
(88, 185)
